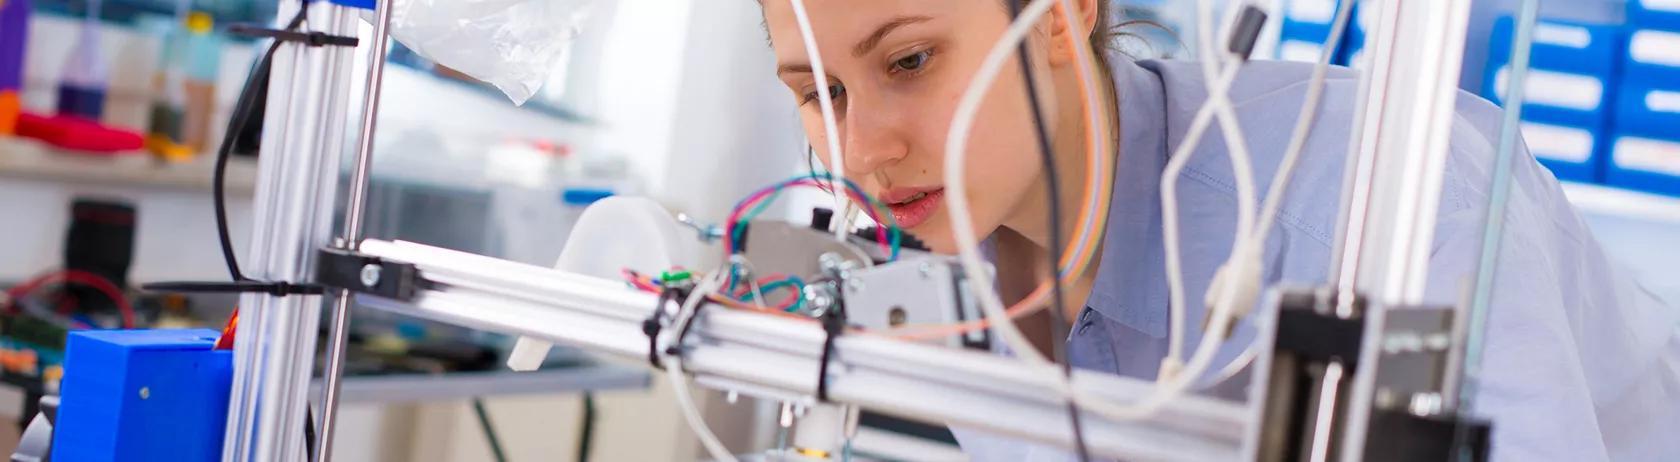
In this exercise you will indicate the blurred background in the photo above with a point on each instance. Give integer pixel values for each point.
(110, 114)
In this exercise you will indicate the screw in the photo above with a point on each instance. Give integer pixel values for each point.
(854, 285)
(370, 275)
(897, 316)
(145, 392)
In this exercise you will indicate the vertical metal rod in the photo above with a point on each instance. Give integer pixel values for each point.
(296, 185)
(353, 211)
(1498, 197)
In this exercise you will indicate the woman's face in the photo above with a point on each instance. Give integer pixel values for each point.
(896, 69)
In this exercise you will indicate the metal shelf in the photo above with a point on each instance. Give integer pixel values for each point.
(31, 160)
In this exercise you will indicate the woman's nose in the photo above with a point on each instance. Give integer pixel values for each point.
(873, 137)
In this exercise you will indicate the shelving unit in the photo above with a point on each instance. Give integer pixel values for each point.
(30, 160)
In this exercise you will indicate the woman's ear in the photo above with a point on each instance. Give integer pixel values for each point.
(1061, 50)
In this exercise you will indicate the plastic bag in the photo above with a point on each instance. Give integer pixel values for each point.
(512, 44)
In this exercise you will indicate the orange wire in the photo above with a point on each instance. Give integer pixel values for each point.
(1034, 301)
(1097, 181)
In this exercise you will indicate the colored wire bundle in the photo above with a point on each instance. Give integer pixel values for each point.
(738, 299)
(760, 200)
(82, 278)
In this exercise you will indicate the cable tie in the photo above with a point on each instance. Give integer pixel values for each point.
(834, 323)
(654, 324)
(277, 289)
(313, 39)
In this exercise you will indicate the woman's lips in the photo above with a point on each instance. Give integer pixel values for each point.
(914, 212)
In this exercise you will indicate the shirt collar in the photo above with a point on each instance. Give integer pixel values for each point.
(1131, 285)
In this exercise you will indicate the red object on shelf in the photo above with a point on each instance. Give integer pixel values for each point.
(78, 134)
(225, 342)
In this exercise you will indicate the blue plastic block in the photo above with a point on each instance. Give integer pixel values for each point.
(1654, 14)
(1572, 71)
(143, 395)
(363, 4)
(1652, 57)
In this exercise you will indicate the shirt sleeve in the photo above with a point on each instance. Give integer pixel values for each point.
(1532, 382)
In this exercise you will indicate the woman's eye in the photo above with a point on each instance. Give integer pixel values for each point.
(912, 62)
(834, 92)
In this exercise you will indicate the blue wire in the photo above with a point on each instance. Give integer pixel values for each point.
(892, 223)
(792, 281)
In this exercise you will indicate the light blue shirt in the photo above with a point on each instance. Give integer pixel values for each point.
(1580, 364)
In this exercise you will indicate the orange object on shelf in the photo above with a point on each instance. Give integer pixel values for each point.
(10, 107)
(225, 342)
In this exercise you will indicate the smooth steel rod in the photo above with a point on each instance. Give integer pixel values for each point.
(353, 212)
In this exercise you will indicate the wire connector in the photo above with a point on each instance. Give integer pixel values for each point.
(1245, 32)
(1242, 271)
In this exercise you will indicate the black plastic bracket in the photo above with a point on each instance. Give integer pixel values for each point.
(314, 39)
(356, 272)
(1408, 437)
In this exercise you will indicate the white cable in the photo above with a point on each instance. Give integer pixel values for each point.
(674, 372)
(1232, 281)
(831, 128)
(1280, 180)
(1169, 217)
(956, 144)
(967, 243)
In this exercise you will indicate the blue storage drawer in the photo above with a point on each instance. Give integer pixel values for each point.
(1572, 70)
(1646, 152)
(1654, 14)
(1572, 153)
(1652, 57)
(1645, 162)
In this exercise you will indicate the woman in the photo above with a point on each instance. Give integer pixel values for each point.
(1580, 364)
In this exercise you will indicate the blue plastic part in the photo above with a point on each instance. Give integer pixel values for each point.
(363, 4)
(584, 196)
(1648, 14)
(1647, 70)
(1577, 50)
(143, 395)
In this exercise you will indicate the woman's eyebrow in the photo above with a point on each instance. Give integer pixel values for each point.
(864, 46)
(869, 43)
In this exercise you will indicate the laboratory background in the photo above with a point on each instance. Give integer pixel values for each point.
(112, 113)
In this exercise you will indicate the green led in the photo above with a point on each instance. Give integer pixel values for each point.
(675, 276)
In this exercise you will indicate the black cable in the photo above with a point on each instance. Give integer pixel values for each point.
(309, 432)
(236, 123)
(587, 435)
(489, 431)
(1058, 325)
